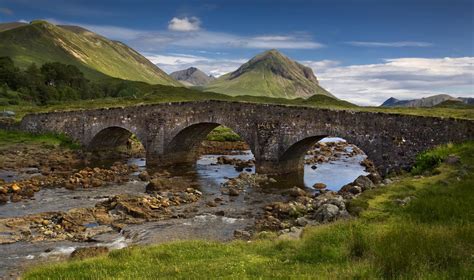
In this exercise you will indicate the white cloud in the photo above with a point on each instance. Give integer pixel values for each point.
(214, 66)
(402, 78)
(390, 44)
(158, 40)
(184, 24)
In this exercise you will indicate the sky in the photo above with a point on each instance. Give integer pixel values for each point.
(363, 51)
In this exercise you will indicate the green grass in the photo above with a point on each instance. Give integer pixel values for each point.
(155, 94)
(460, 113)
(430, 238)
(13, 138)
(223, 133)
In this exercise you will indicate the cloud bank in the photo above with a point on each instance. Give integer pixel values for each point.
(402, 78)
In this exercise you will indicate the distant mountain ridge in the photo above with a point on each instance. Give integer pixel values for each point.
(96, 56)
(429, 101)
(192, 77)
(270, 74)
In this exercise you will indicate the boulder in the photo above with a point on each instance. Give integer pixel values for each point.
(3, 198)
(301, 221)
(452, 160)
(350, 188)
(329, 198)
(234, 192)
(157, 185)
(295, 192)
(319, 186)
(211, 203)
(238, 233)
(327, 213)
(144, 176)
(364, 182)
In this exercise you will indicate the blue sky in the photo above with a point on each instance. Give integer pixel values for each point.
(364, 51)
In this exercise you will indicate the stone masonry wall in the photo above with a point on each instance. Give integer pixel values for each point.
(278, 135)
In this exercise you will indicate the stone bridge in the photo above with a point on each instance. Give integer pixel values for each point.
(278, 135)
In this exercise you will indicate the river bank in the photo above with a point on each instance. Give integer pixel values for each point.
(63, 206)
(417, 227)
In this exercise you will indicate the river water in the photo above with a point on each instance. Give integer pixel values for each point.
(217, 223)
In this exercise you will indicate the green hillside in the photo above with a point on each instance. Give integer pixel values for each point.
(96, 56)
(269, 74)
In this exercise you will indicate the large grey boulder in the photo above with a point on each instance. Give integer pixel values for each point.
(327, 213)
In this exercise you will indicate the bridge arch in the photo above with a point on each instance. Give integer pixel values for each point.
(111, 137)
(292, 158)
(184, 141)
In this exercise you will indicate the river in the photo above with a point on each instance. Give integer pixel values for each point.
(217, 223)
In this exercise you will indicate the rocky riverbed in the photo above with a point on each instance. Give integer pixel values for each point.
(59, 200)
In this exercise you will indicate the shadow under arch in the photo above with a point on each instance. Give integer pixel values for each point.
(292, 160)
(184, 147)
(111, 137)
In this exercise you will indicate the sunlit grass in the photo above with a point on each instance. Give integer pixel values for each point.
(13, 138)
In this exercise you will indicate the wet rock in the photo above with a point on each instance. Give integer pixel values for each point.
(96, 183)
(89, 252)
(3, 198)
(234, 192)
(157, 185)
(15, 188)
(220, 213)
(295, 192)
(211, 203)
(144, 176)
(133, 167)
(15, 197)
(319, 186)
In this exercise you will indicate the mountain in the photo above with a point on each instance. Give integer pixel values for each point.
(422, 102)
(192, 77)
(96, 56)
(269, 74)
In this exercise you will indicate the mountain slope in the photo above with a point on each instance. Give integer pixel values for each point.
(429, 101)
(192, 77)
(269, 74)
(95, 55)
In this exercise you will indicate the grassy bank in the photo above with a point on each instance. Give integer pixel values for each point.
(432, 237)
(154, 94)
(10, 139)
